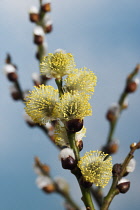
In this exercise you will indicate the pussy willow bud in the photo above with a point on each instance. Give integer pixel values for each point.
(38, 35)
(38, 39)
(34, 14)
(48, 27)
(10, 71)
(41, 168)
(12, 76)
(67, 158)
(117, 169)
(132, 86)
(45, 183)
(15, 94)
(46, 7)
(48, 24)
(49, 189)
(111, 148)
(133, 145)
(74, 125)
(113, 112)
(131, 165)
(46, 168)
(123, 185)
(79, 145)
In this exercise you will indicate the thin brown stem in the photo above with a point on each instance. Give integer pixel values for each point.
(121, 102)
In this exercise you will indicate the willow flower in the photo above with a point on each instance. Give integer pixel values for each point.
(82, 80)
(73, 106)
(61, 137)
(57, 65)
(40, 104)
(96, 168)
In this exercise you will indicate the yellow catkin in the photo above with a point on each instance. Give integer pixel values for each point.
(82, 80)
(40, 103)
(73, 106)
(57, 65)
(95, 168)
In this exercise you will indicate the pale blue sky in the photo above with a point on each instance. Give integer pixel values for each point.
(103, 36)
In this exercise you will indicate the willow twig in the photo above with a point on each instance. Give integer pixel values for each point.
(86, 194)
(114, 190)
(121, 102)
(45, 170)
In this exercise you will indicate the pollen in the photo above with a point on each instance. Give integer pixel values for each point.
(57, 65)
(82, 80)
(40, 104)
(96, 167)
(73, 106)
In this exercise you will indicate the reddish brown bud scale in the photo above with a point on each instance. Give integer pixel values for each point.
(131, 87)
(111, 148)
(74, 125)
(123, 187)
(68, 163)
(12, 76)
(117, 169)
(46, 7)
(133, 145)
(48, 28)
(46, 168)
(16, 95)
(38, 39)
(49, 189)
(34, 17)
(110, 116)
(80, 145)
(8, 59)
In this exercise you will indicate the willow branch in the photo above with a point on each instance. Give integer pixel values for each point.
(86, 194)
(116, 177)
(121, 102)
(45, 170)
